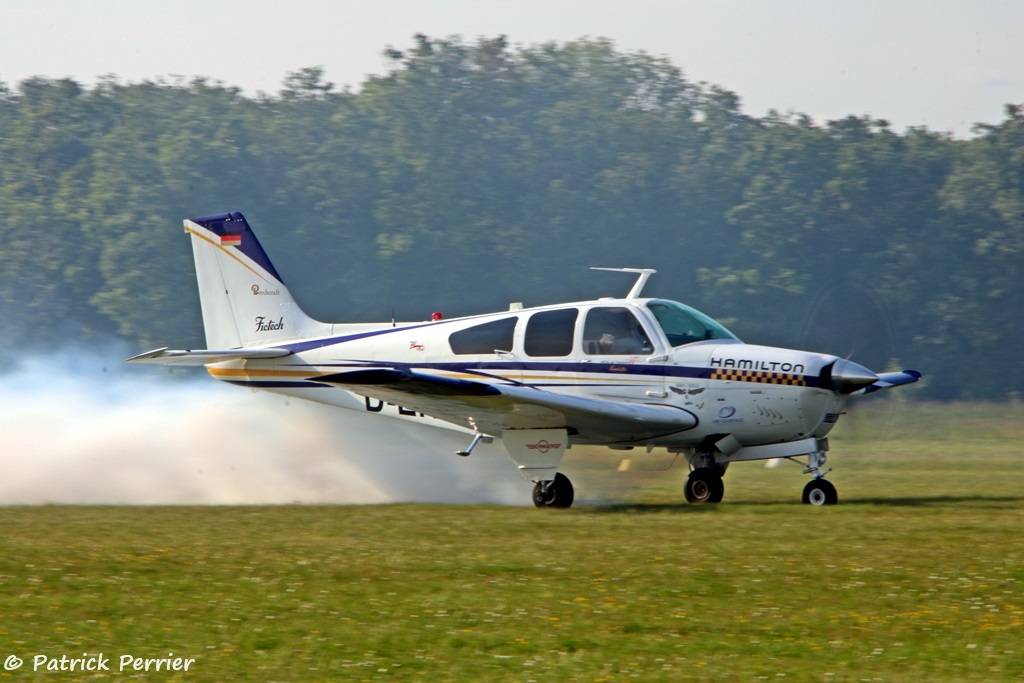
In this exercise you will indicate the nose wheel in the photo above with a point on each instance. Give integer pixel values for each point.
(820, 492)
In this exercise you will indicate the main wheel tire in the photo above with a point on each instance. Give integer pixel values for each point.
(820, 492)
(704, 485)
(557, 494)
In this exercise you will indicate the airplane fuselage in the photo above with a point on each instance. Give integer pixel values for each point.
(613, 349)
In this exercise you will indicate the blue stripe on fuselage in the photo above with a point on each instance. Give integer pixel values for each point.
(488, 372)
(488, 369)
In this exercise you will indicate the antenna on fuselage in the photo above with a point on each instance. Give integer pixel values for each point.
(644, 273)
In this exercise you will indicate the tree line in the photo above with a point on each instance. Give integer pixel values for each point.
(473, 174)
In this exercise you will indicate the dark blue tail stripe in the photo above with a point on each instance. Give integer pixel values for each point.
(234, 223)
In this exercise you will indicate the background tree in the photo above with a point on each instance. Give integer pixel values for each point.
(474, 173)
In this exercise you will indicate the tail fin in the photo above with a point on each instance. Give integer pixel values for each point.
(244, 300)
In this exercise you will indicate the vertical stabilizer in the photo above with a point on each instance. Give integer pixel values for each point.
(244, 301)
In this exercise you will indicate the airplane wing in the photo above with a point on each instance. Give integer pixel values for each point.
(888, 380)
(166, 356)
(493, 408)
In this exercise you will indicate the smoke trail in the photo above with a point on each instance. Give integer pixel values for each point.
(81, 428)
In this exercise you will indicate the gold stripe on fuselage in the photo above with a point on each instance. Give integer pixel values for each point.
(249, 374)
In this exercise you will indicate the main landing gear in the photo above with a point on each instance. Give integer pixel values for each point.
(537, 453)
(555, 493)
(704, 485)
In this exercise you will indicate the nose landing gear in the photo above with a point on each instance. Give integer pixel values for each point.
(819, 491)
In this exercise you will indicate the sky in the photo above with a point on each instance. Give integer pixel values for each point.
(943, 64)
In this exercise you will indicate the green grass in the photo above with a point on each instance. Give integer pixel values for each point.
(918, 575)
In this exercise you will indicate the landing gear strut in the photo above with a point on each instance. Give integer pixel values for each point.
(556, 493)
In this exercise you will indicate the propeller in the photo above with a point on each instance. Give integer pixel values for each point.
(847, 319)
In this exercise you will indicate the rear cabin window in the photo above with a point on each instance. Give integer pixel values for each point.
(614, 331)
(550, 333)
(484, 339)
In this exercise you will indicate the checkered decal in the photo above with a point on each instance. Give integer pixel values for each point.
(760, 377)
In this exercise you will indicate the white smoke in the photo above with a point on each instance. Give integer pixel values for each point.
(80, 428)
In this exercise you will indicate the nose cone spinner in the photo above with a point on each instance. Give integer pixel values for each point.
(845, 377)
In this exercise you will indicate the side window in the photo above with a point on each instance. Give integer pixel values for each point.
(483, 339)
(614, 331)
(549, 333)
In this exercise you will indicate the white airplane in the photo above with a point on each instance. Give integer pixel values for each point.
(623, 373)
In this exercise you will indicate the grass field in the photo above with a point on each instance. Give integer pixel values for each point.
(918, 575)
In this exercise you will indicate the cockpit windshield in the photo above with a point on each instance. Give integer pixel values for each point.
(684, 325)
